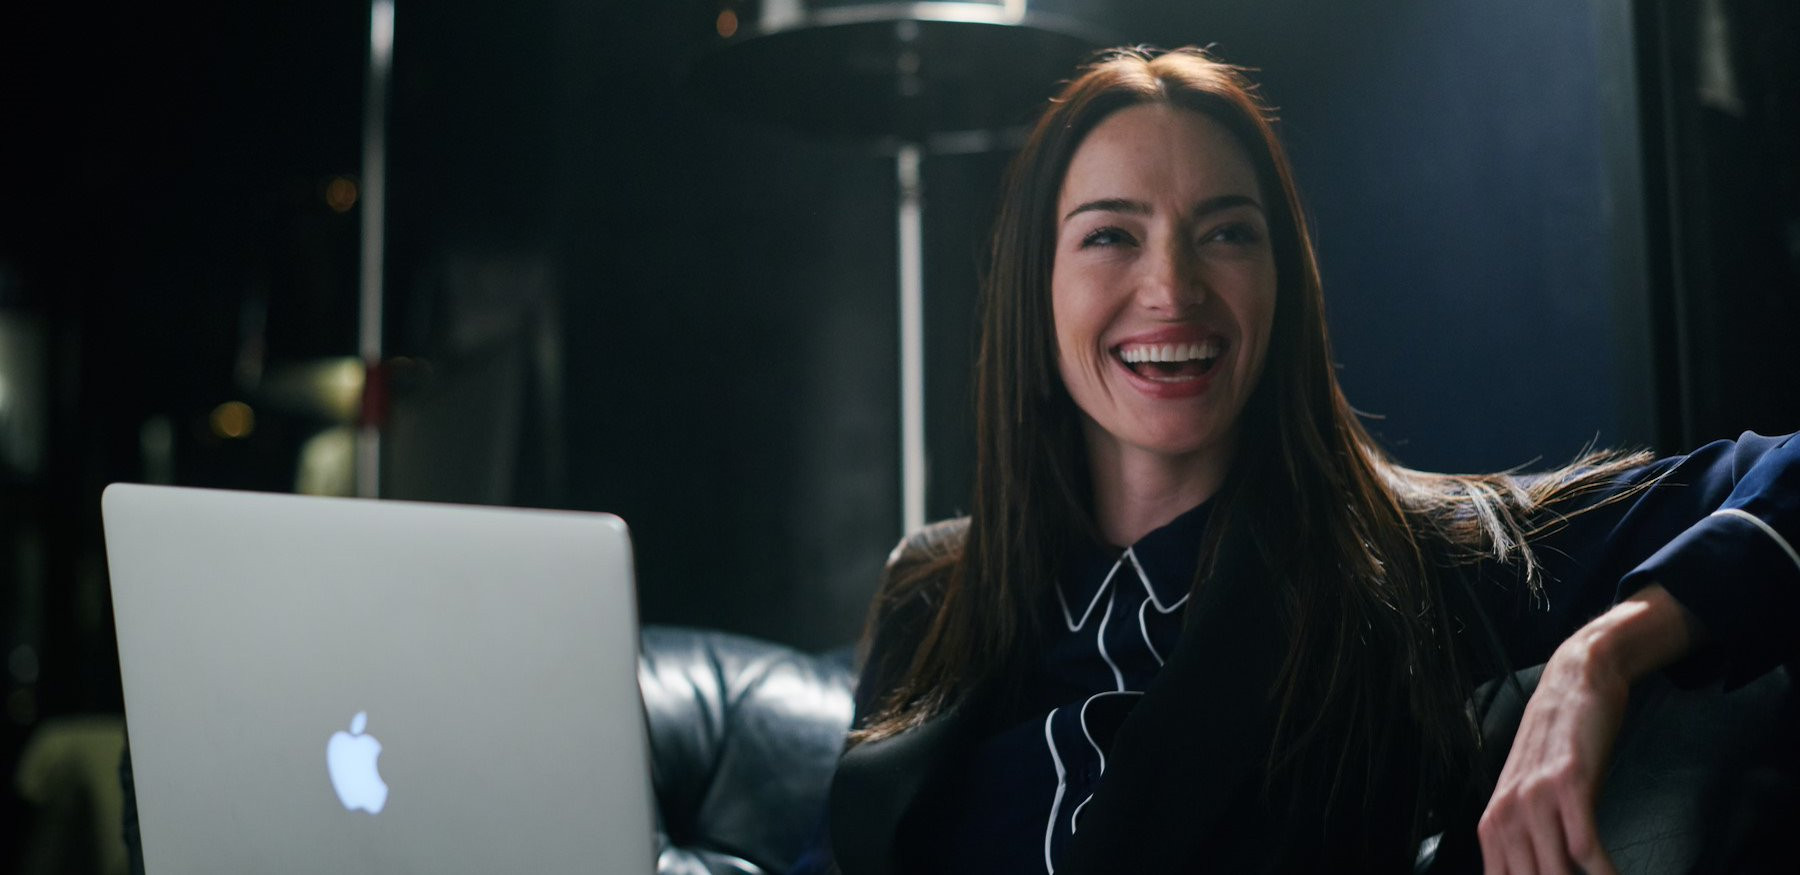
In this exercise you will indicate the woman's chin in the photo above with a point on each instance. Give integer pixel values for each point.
(1178, 444)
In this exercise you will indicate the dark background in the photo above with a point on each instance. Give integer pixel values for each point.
(1541, 224)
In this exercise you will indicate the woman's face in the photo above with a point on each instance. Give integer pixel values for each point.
(1163, 284)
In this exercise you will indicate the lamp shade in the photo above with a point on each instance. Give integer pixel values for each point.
(903, 70)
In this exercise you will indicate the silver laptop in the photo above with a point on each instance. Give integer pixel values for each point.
(335, 685)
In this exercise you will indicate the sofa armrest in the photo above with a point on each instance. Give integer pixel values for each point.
(744, 738)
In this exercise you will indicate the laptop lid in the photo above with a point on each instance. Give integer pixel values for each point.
(320, 684)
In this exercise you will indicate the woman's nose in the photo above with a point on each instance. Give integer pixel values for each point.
(1171, 280)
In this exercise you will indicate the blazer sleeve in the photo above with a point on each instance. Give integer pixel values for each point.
(1718, 528)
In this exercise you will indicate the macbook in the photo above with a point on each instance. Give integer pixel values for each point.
(339, 685)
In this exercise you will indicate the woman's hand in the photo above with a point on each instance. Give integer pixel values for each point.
(1541, 817)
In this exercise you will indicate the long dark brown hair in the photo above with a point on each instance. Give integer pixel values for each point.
(1359, 544)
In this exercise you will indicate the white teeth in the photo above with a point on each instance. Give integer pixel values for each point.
(1179, 352)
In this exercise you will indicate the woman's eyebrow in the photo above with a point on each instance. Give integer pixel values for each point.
(1224, 202)
(1139, 208)
(1111, 205)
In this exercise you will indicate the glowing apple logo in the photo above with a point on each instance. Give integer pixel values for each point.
(351, 759)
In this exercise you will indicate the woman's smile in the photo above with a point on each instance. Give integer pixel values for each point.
(1172, 362)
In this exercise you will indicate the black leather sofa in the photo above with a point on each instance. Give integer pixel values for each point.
(744, 737)
(1701, 780)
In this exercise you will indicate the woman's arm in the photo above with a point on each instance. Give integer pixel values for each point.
(1712, 573)
(1714, 528)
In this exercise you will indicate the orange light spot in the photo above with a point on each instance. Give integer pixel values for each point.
(233, 419)
(340, 194)
(727, 24)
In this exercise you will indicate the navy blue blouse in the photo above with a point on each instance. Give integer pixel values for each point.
(1116, 614)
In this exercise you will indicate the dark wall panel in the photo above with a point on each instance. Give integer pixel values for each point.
(730, 333)
(1471, 173)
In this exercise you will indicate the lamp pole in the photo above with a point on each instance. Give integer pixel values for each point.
(374, 203)
(912, 338)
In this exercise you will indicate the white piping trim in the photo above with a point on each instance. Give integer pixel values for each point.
(1061, 786)
(1767, 530)
(1068, 618)
(1076, 814)
(1100, 642)
(1144, 577)
(1144, 629)
(1098, 751)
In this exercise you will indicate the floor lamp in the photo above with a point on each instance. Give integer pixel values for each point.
(913, 79)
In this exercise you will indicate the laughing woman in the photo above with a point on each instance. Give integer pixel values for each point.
(1197, 618)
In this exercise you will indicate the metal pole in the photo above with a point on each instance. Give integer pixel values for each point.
(912, 340)
(373, 200)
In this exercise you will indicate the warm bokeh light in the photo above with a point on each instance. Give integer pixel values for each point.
(727, 23)
(340, 194)
(329, 388)
(233, 419)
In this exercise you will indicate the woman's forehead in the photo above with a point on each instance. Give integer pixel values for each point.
(1154, 154)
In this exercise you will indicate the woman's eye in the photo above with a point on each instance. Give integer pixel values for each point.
(1237, 232)
(1105, 237)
